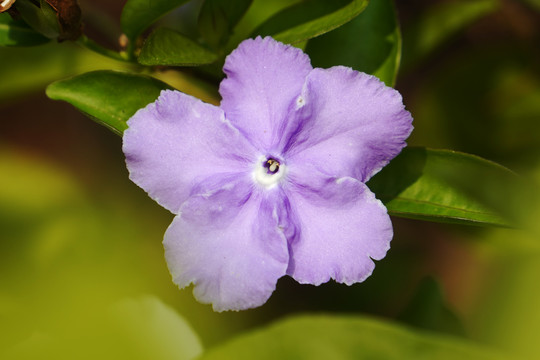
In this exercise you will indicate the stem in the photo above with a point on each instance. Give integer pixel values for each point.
(90, 44)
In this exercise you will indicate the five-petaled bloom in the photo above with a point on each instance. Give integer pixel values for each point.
(271, 182)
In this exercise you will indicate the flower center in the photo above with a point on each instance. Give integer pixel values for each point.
(272, 166)
(268, 171)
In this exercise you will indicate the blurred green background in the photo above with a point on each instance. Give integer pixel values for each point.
(80, 245)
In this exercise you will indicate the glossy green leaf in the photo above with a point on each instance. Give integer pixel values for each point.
(167, 47)
(138, 15)
(17, 33)
(371, 43)
(444, 186)
(108, 97)
(345, 337)
(218, 18)
(310, 18)
(440, 23)
(258, 13)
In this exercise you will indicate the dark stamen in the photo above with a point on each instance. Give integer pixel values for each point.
(272, 166)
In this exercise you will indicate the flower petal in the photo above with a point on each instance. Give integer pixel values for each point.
(174, 143)
(264, 78)
(342, 227)
(230, 245)
(351, 124)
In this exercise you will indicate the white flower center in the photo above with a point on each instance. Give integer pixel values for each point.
(268, 171)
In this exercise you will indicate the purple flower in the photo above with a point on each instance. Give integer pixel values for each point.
(272, 182)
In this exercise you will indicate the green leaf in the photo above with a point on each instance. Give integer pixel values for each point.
(345, 337)
(429, 310)
(440, 23)
(218, 18)
(138, 15)
(443, 186)
(108, 97)
(42, 19)
(371, 43)
(50, 16)
(149, 329)
(167, 47)
(17, 33)
(310, 18)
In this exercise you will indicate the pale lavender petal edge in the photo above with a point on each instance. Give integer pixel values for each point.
(229, 245)
(347, 124)
(343, 228)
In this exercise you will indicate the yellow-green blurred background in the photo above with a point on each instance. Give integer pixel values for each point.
(80, 245)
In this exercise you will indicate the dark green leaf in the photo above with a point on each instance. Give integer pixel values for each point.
(310, 18)
(42, 19)
(17, 33)
(441, 22)
(533, 3)
(444, 186)
(108, 97)
(218, 18)
(370, 43)
(50, 16)
(345, 337)
(167, 47)
(428, 310)
(138, 15)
